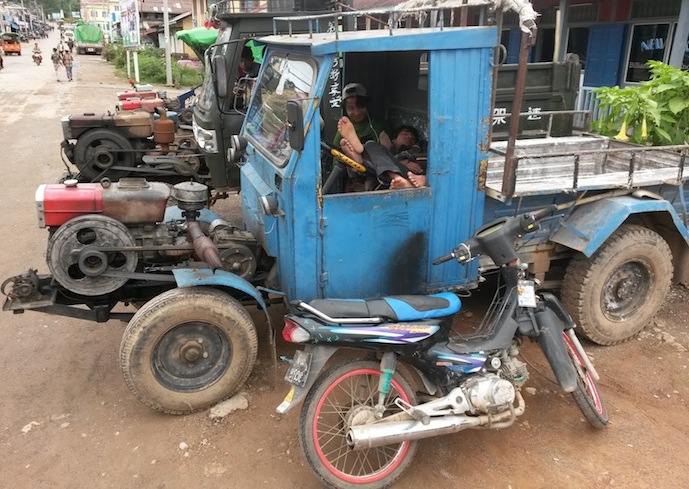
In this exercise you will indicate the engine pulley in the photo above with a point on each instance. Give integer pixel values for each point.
(239, 260)
(77, 263)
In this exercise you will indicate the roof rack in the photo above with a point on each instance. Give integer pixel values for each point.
(396, 18)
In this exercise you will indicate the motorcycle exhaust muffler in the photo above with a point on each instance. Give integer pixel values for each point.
(392, 433)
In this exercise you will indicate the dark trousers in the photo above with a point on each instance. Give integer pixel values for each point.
(379, 160)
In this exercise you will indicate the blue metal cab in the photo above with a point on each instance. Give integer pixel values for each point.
(366, 244)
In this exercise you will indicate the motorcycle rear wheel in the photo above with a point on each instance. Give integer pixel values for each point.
(341, 394)
(586, 395)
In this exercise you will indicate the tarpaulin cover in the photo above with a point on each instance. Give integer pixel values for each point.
(88, 33)
(199, 39)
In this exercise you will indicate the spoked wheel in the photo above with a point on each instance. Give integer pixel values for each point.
(344, 396)
(188, 349)
(586, 394)
(98, 150)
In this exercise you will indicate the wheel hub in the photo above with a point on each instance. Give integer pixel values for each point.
(360, 415)
(193, 350)
(626, 290)
(191, 356)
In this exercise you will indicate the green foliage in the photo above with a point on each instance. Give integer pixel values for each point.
(151, 65)
(655, 112)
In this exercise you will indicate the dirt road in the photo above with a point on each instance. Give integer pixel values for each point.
(67, 419)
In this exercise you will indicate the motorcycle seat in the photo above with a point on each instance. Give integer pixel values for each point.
(394, 308)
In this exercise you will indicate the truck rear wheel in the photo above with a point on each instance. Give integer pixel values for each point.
(616, 292)
(188, 349)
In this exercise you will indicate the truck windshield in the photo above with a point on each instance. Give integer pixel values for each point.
(284, 78)
(206, 96)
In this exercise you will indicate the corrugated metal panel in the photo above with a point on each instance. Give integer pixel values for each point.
(459, 122)
(644, 9)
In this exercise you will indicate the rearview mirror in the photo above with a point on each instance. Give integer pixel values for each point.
(220, 76)
(295, 125)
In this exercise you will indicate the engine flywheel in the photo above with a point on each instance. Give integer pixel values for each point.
(77, 263)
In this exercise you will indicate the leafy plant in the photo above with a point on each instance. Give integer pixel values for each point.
(151, 65)
(655, 112)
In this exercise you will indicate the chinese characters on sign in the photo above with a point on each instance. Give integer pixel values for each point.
(500, 115)
(334, 90)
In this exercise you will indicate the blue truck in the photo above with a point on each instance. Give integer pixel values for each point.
(618, 240)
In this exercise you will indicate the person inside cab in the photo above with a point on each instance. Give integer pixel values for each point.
(248, 71)
(248, 66)
(367, 127)
(398, 168)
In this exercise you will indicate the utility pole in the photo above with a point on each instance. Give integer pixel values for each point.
(166, 34)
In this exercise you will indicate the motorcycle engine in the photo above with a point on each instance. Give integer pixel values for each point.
(489, 394)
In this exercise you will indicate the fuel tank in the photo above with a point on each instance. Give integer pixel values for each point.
(130, 201)
(129, 94)
(137, 124)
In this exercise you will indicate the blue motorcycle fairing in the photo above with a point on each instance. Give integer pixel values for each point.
(388, 333)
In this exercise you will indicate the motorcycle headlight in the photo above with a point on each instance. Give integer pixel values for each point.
(205, 139)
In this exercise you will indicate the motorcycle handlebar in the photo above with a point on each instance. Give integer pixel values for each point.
(505, 229)
(444, 258)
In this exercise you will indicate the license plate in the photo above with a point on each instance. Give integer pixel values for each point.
(526, 293)
(298, 371)
(90, 50)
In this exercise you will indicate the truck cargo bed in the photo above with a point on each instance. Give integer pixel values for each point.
(579, 163)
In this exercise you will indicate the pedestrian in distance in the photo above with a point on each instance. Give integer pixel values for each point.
(68, 61)
(57, 61)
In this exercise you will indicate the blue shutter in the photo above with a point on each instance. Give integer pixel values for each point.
(513, 45)
(604, 55)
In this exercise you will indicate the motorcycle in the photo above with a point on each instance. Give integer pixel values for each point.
(37, 58)
(361, 418)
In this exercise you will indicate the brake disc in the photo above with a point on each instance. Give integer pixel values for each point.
(76, 262)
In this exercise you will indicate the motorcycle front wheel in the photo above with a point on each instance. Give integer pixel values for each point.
(586, 394)
(343, 396)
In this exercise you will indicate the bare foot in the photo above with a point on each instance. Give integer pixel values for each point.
(417, 181)
(346, 128)
(347, 149)
(400, 182)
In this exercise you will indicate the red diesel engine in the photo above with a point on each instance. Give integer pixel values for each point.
(102, 234)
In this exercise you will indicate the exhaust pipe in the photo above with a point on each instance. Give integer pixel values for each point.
(204, 247)
(392, 433)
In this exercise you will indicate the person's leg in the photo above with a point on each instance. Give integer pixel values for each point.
(400, 182)
(346, 128)
(417, 181)
(413, 181)
(382, 162)
(348, 149)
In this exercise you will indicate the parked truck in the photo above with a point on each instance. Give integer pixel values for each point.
(88, 39)
(618, 240)
(219, 112)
